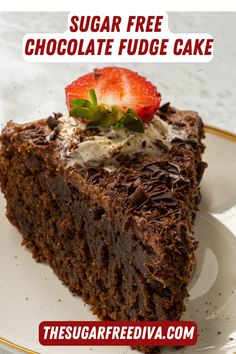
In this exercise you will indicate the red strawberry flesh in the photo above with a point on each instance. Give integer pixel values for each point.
(117, 86)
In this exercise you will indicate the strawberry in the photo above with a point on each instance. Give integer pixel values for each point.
(117, 87)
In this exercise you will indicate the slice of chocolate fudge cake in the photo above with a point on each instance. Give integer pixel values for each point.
(107, 194)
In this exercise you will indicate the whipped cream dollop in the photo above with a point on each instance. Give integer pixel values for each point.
(103, 147)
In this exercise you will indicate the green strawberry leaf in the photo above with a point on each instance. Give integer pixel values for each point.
(78, 102)
(81, 113)
(132, 123)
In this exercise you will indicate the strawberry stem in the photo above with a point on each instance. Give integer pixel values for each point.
(104, 115)
(93, 96)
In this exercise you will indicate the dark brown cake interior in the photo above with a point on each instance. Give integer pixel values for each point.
(122, 239)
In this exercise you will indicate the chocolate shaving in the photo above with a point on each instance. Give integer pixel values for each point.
(96, 178)
(159, 143)
(52, 123)
(96, 73)
(138, 197)
(179, 125)
(173, 166)
(165, 107)
(168, 173)
(160, 198)
(191, 142)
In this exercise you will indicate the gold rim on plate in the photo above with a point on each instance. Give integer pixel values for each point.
(16, 346)
(209, 129)
(220, 132)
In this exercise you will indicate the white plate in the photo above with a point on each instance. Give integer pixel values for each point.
(31, 293)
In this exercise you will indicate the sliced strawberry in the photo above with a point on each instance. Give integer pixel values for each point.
(117, 86)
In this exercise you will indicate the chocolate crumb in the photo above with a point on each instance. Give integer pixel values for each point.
(218, 332)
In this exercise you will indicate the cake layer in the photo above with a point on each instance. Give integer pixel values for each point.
(121, 237)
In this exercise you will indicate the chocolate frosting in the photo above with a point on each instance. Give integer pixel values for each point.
(157, 195)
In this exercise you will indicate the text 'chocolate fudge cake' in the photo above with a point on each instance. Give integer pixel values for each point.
(107, 194)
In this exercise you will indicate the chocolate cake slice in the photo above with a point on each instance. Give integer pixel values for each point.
(110, 209)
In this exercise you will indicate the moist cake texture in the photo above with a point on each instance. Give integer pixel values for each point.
(118, 231)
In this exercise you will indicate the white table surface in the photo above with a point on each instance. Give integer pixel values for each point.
(32, 91)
